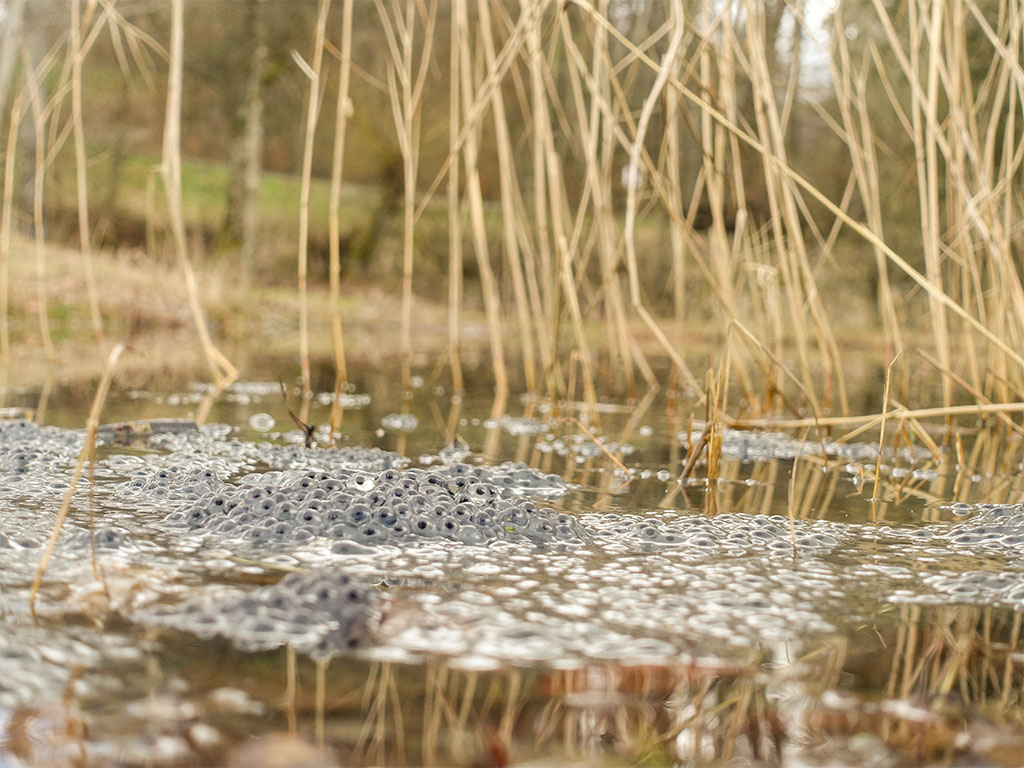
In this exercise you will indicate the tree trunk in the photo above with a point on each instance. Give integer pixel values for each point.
(241, 225)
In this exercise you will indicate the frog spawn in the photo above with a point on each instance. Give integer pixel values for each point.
(513, 477)
(34, 460)
(701, 548)
(986, 587)
(993, 528)
(724, 535)
(357, 509)
(213, 441)
(318, 613)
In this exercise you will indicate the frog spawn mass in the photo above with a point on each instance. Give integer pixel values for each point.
(318, 613)
(354, 510)
(161, 510)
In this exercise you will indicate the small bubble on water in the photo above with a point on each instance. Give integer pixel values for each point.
(399, 422)
(262, 422)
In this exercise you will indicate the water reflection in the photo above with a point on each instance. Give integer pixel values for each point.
(944, 681)
(777, 616)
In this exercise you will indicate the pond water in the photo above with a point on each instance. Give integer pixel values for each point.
(445, 587)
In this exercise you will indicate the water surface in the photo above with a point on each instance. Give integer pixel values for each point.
(774, 615)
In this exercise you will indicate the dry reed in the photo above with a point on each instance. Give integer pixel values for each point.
(488, 283)
(701, 107)
(77, 56)
(405, 87)
(312, 72)
(39, 114)
(221, 369)
(87, 454)
(454, 213)
(6, 228)
(334, 227)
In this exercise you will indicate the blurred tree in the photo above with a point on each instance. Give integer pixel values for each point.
(241, 223)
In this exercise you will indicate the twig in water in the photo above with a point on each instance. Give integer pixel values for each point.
(597, 442)
(695, 453)
(307, 429)
(792, 486)
(881, 436)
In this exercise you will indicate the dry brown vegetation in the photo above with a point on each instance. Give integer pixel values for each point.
(630, 178)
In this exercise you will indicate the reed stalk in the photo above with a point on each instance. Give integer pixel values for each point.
(221, 369)
(334, 226)
(6, 227)
(786, 227)
(87, 454)
(488, 283)
(508, 196)
(598, 140)
(312, 72)
(675, 188)
(541, 125)
(583, 346)
(926, 156)
(290, 691)
(881, 436)
(977, 409)
(976, 393)
(405, 107)
(853, 107)
(320, 701)
(85, 243)
(455, 262)
(39, 173)
(629, 239)
(712, 137)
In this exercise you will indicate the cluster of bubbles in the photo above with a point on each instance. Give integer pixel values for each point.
(399, 422)
(518, 426)
(581, 447)
(725, 535)
(262, 422)
(318, 613)
(347, 400)
(747, 445)
(358, 509)
(177, 479)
